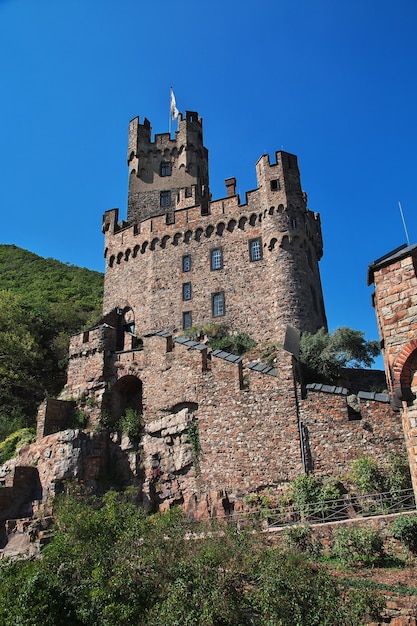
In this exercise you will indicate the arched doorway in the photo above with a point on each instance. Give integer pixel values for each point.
(126, 394)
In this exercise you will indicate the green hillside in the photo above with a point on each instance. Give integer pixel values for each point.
(42, 302)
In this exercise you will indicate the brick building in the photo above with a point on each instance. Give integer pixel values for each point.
(395, 299)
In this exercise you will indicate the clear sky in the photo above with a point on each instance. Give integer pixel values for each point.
(333, 81)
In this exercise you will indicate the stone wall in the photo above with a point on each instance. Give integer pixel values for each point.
(340, 428)
(53, 416)
(249, 419)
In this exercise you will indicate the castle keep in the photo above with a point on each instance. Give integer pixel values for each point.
(182, 260)
(215, 427)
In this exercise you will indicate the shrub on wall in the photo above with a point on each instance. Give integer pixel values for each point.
(357, 545)
(300, 539)
(220, 338)
(398, 475)
(404, 529)
(307, 490)
(366, 475)
(131, 424)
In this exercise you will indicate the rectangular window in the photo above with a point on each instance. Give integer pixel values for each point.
(186, 320)
(255, 249)
(186, 291)
(186, 263)
(170, 217)
(216, 259)
(275, 186)
(165, 168)
(218, 305)
(165, 198)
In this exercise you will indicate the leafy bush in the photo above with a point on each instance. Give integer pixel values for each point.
(300, 539)
(108, 563)
(219, 338)
(131, 424)
(398, 475)
(268, 351)
(9, 446)
(357, 545)
(366, 475)
(307, 489)
(404, 529)
(237, 343)
(78, 419)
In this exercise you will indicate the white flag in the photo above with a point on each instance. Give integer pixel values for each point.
(174, 110)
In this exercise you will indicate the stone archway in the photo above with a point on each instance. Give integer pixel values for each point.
(126, 393)
(405, 391)
(404, 370)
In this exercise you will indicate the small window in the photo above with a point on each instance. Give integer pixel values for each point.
(129, 327)
(186, 291)
(165, 198)
(186, 263)
(218, 304)
(186, 320)
(165, 168)
(216, 259)
(275, 186)
(255, 249)
(293, 223)
(170, 217)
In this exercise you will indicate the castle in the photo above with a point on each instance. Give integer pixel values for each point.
(216, 427)
(181, 259)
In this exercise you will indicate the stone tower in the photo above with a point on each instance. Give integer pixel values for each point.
(183, 260)
(395, 299)
(160, 169)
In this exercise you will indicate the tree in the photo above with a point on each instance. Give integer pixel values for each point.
(42, 301)
(323, 355)
(24, 362)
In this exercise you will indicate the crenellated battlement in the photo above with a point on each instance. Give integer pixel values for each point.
(159, 169)
(172, 220)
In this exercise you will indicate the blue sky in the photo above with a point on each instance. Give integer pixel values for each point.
(333, 81)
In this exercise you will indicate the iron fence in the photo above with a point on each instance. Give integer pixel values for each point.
(345, 508)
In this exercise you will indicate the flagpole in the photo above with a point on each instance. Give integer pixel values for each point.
(405, 227)
(170, 113)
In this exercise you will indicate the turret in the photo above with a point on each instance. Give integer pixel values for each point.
(160, 169)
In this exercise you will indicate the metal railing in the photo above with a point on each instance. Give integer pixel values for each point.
(330, 510)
